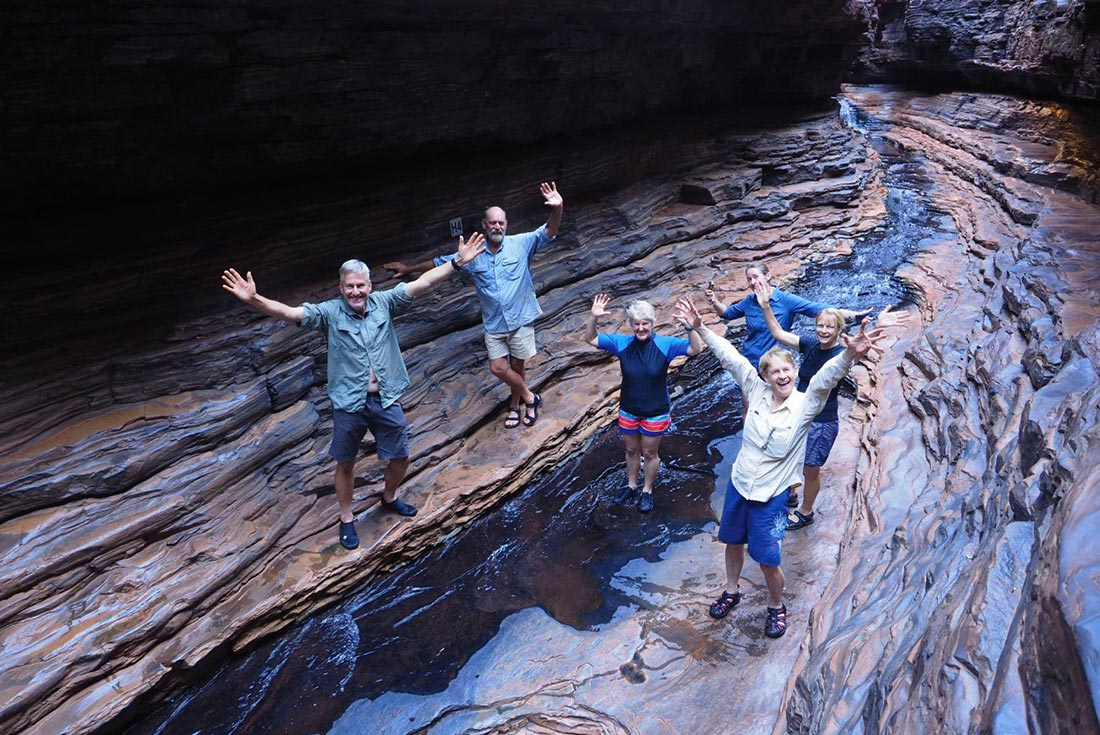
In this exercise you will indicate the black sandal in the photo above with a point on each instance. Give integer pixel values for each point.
(721, 607)
(529, 420)
(513, 418)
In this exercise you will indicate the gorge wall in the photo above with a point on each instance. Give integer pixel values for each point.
(1049, 48)
(165, 493)
(124, 100)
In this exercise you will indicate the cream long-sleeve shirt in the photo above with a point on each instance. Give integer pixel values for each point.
(774, 445)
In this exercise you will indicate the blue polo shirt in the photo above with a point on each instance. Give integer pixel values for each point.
(356, 344)
(644, 366)
(813, 358)
(503, 281)
(785, 306)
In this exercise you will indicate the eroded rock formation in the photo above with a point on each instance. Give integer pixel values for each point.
(1049, 48)
(175, 498)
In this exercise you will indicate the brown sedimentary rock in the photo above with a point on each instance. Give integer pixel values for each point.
(172, 493)
(953, 608)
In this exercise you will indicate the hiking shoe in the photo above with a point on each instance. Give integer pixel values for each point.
(792, 499)
(721, 607)
(645, 502)
(349, 539)
(800, 520)
(626, 495)
(776, 623)
(399, 507)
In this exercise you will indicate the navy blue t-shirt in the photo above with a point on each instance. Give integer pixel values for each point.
(813, 358)
(645, 370)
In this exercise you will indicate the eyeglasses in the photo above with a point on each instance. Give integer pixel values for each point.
(767, 439)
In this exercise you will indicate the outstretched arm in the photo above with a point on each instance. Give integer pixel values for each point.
(245, 290)
(782, 336)
(695, 340)
(718, 306)
(849, 314)
(732, 360)
(549, 191)
(400, 269)
(467, 251)
(599, 308)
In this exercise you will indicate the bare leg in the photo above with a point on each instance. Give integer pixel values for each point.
(652, 460)
(345, 486)
(774, 578)
(810, 489)
(633, 458)
(501, 368)
(735, 559)
(520, 369)
(392, 477)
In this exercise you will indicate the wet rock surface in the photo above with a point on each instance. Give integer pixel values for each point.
(169, 503)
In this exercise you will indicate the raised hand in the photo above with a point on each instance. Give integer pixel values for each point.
(888, 318)
(865, 341)
(467, 249)
(686, 313)
(549, 191)
(400, 270)
(763, 292)
(599, 304)
(243, 288)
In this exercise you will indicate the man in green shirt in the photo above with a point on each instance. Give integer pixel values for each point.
(366, 373)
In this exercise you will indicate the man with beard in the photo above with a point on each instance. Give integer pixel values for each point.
(502, 277)
(366, 373)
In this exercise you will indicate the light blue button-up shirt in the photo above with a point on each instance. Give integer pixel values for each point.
(758, 338)
(359, 344)
(503, 281)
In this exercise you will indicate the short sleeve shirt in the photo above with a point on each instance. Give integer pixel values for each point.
(644, 365)
(758, 338)
(359, 344)
(503, 281)
(813, 358)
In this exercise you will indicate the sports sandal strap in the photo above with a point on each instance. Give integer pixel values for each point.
(721, 607)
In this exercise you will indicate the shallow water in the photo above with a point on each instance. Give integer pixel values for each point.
(557, 545)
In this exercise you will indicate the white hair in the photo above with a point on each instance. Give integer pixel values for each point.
(354, 266)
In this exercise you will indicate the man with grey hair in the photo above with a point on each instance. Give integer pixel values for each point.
(502, 277)
(366, 373)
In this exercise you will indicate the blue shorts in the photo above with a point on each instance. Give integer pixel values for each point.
(819, 442)
(388, 425)
(760, 524)
(653, 426)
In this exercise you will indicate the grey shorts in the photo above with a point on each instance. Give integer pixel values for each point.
(519, 344)
(387, 425)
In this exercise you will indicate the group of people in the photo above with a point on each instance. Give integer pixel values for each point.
(788, 432)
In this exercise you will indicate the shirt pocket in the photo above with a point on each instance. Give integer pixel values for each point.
(511, 266)
(778, 440)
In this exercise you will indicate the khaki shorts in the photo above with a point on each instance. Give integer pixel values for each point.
(519, 344)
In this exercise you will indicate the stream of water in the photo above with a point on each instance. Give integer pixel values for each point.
(557, 545)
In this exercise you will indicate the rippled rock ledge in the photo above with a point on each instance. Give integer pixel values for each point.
(171, 502)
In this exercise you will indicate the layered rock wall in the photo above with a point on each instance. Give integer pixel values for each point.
(166, 488)
(1050, 48)
(964, 600)
(126, 100)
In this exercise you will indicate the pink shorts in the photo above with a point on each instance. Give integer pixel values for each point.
(654, 426)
